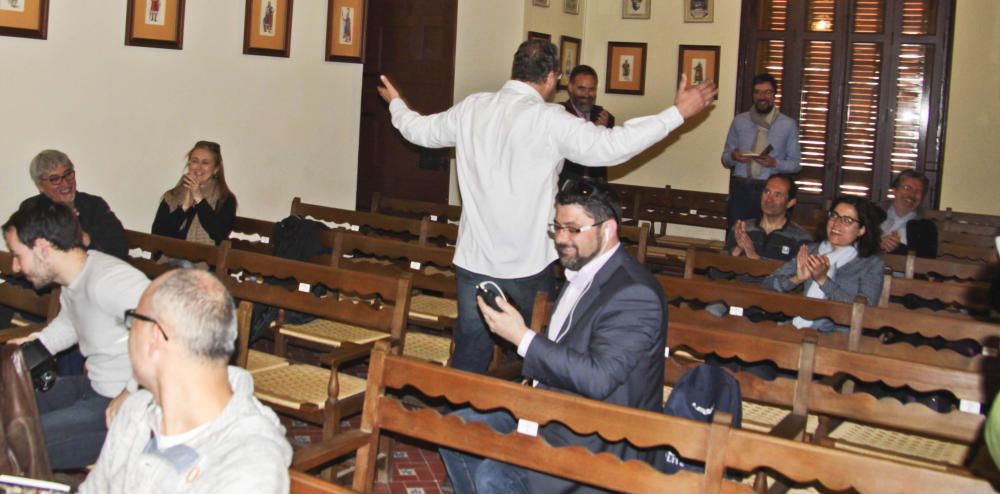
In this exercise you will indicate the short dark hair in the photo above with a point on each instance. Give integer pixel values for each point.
(793, 189)
(871, 218)
(41, 217)
(582, 70)
(768, 78)
(597, 198)
(534, 60)
(909, 173)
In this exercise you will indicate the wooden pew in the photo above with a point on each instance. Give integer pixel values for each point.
(409, 229)
(972, 297)
(409, 208)
(807, 395)
(252, 234)
(147, 252)
(718, 445)
(359, 307)
(635, 239)
(939, 268)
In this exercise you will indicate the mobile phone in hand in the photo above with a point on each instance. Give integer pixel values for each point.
(490, 291)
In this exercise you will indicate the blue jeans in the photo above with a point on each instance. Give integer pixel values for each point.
(72, 415)
(473, 340)
(471, 474)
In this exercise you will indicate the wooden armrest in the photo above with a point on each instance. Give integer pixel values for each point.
(791, 427)
(347, 352)
(303, 483)
(328, 450)
(9, 334)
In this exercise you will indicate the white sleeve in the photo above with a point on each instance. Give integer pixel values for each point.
(59, 334)
(439, 130)
(589, 145)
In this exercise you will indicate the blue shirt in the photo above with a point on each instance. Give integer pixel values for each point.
(783, 138)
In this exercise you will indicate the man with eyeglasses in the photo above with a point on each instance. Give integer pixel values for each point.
(55, 177)
(604, 341)
(904, 229)
(509, 145)
(761, 142)
(46, 243)
(196, 425)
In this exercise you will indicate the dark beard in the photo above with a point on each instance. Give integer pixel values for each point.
(763, 112)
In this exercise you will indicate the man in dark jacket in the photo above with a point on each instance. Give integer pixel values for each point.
(605, 342)
(582, 95)
(55, 176)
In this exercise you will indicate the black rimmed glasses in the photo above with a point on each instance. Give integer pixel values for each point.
(844, 220)
(555, 228)
(131, 316)
(58, 179)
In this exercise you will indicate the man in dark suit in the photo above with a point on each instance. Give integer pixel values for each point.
(604, 342)
(582, 91)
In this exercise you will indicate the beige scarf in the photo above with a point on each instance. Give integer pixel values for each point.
(763, 123)
(175, 198)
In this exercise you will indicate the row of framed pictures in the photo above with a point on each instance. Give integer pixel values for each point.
(160, 24)
(626, 68)
(694, 10)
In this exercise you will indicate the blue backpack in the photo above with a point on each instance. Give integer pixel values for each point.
(699, 393)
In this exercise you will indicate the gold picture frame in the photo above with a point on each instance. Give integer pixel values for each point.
(346, 30)
(155, 23)
(268, 28)
(24, 18)
(626, 72)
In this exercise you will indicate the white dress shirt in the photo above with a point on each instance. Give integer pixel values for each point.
(509, 146)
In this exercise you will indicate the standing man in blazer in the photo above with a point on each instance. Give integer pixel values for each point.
(605, 341)
(582, 95)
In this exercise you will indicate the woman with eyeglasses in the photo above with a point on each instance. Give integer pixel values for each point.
(200, 208)
(845, 263)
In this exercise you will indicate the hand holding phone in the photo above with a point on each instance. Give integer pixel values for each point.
(490, 291)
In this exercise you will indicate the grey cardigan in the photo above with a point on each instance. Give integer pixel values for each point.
(861, 276)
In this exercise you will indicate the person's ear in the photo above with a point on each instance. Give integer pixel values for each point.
(791, 203)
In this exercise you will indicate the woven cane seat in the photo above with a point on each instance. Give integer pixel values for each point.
(261, 361)
(432, 308)
(298, 384)
(332, 333)
(434, 270)
(428, 347)
(756, 417)
(897, 445)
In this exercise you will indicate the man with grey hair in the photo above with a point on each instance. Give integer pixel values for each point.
(55, 177)
(196, 426)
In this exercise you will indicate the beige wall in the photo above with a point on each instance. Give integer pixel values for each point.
(971, 180)
(126, 115)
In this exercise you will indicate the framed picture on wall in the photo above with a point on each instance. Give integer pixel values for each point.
(569, 57)
(268, 28)
(626, 68)
(155, 23)
(699, 10)
(700, 63)
(540, 3)
(24, 18)
(538, 35)
(635, 9)
(571, 7)
(345, 30)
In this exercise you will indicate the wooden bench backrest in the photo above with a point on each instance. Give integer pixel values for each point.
(414, 209)
(25, 299)
(629, 197)
(972, 296)
(956, 236)
(699, 260)
(364, 220)
(964, 252)
(635, 239)
(716, 444)
(961, 217)
(252, 234)
(152, 246)
(696, 208)
(400, 253)
(753, 344)
(388, 317)
(912, 266)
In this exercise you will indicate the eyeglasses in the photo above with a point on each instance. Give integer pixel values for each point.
(555, 228)
(766, 92)
(57, 179)
(131, 316)
(844, 220)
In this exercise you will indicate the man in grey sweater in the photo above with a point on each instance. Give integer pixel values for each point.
(195, 427)
(46, 243)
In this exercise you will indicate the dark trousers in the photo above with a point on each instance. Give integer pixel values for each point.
(73, 424)
(473, 340)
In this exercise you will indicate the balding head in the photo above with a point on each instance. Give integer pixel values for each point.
(197, 310)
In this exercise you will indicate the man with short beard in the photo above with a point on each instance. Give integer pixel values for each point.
(46, 243)
(903, 228)
(582, 92)
(761, 129)
(604, 342)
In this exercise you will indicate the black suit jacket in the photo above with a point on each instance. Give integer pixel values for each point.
(96, 218)
(573, 170)
(611, 350)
